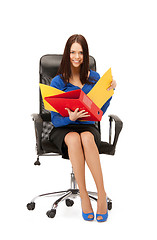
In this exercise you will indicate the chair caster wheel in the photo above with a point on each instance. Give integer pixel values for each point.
(37, 163)
(69, 202)
(31, 206)
(51, 213)
(109, 205)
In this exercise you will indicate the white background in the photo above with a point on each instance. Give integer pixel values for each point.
(121, 35)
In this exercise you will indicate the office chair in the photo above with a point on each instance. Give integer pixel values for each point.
(48, 69)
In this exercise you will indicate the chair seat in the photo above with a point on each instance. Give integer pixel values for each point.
(105, 148)
(49, 147)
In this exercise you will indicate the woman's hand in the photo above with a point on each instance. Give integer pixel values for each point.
(73, 116)
(113, 85)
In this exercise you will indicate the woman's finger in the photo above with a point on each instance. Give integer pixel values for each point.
(83, 111)
(84, 116)
(113, 85)
(76, 110)
(67, 109)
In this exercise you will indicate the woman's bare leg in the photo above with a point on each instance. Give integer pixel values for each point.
(76, 156)
(93, 161)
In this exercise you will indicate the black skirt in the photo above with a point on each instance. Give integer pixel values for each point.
(58, 134)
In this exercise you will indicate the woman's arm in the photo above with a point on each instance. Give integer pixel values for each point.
(59, 121)
(56, 118)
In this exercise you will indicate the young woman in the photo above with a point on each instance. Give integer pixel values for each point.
(79, 140)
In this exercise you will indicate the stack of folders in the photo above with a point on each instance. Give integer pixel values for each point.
(57, 100)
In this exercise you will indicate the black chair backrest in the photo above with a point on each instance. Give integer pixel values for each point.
(48, 68)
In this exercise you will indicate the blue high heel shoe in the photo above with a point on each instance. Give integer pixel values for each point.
(104, 216)
(86, 216)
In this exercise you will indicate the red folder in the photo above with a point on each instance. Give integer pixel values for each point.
(72, 100)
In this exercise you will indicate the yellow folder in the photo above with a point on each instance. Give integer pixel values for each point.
(47, 91)
(98, 94)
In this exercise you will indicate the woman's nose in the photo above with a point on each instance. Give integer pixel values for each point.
(77, 55)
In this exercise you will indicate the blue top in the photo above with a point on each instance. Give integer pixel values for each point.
(57, 82)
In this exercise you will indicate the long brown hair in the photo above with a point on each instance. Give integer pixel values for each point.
(65, 68)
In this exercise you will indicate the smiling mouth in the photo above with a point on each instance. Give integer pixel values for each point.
(76, 61)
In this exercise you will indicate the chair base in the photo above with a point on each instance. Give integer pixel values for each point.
(73, 192)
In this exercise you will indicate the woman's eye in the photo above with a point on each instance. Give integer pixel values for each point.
(72, 52)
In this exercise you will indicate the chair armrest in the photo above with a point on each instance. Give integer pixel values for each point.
(118, 128)
(36, 117)
(38, 124)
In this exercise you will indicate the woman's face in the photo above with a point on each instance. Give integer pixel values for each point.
(76, 55)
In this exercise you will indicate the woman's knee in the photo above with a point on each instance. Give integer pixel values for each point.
(72, 138)
(87, 138)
